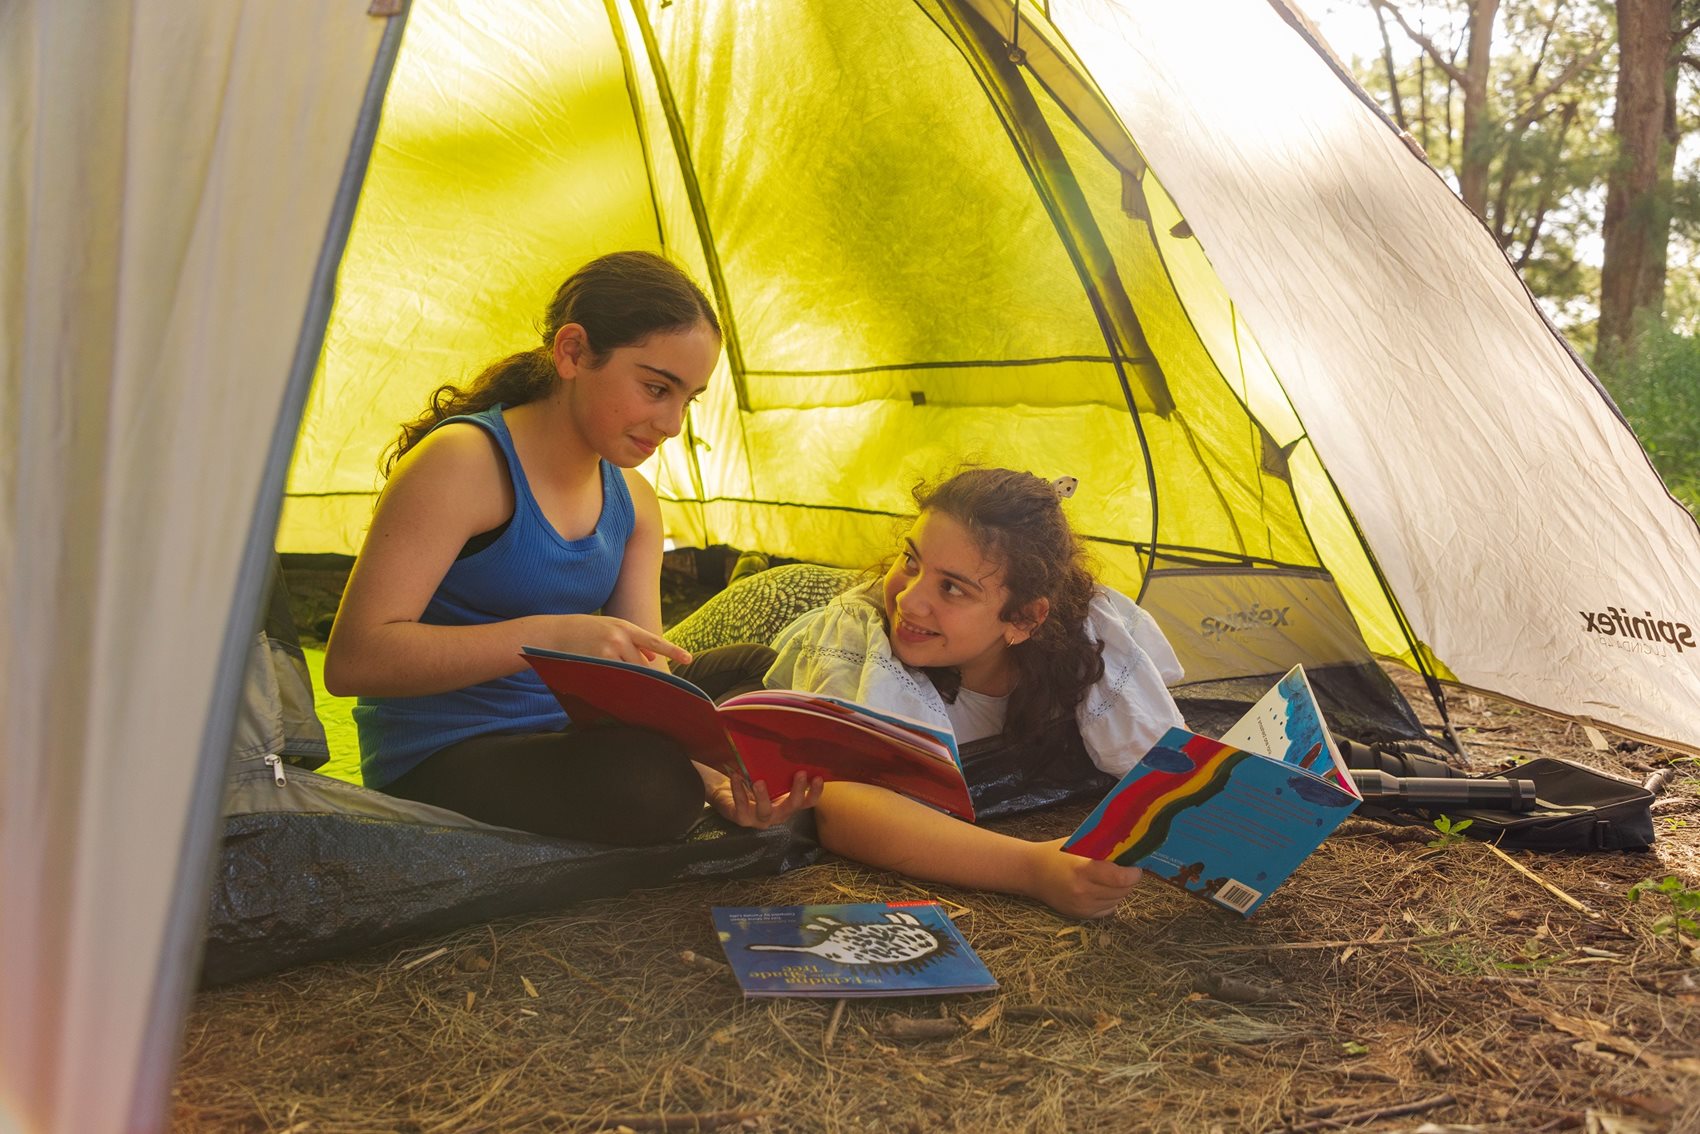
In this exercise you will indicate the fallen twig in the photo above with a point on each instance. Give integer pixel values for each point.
(1042, 1012)
(832, 1024)
(699, 1120)
(920, 1028)
(1353, 942)
(1371, 1115)
(1508, 744)
(1232, 991)
(431, 956)
(1542, 882)
(707, 964)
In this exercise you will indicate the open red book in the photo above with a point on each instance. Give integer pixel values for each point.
(766, 735)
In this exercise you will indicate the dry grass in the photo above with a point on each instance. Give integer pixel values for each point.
(1388, 986)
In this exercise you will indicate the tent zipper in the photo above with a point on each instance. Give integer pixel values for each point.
(275, 762)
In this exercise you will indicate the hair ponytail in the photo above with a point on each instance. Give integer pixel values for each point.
(515, 380)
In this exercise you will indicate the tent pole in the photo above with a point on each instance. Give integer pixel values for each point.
(1076, 229)
(1072, 216)
(699, 208)
(618, 27)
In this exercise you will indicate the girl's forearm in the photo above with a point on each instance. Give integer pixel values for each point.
(884, 829)
(414, 659)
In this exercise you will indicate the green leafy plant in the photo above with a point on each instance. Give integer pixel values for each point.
(1530, 958)
(1684, 915)
(1658, 394)
(1450, 833)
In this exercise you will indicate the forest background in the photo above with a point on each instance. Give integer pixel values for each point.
(1572, 129)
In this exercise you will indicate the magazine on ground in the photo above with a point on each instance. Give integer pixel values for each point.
(860, 949)
(768, 734)
(1229, 819)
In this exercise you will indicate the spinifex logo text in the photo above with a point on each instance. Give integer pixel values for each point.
(1616, 623)
(1258, 617)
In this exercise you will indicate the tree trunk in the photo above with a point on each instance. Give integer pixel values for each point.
(1478, 143)
(1636, 226)
(1392, 73)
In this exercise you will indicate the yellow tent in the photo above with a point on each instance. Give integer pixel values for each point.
(1158, 246)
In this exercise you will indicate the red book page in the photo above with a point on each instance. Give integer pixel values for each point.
(594, 692)
(775, 741)
(905, 730)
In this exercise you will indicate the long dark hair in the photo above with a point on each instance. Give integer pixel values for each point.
(1016, 520)
(619, 299)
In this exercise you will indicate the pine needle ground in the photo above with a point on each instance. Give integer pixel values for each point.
(1389, 986)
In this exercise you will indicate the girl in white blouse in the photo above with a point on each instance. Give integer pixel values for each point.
(989, 621)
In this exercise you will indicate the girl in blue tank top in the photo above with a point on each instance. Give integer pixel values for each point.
(514, 516)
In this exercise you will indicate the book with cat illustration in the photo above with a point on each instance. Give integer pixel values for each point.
(1229, 819)
(858, 949)
(766, 735)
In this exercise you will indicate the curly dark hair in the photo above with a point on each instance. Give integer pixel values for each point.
(619, 299)
(1016, 520)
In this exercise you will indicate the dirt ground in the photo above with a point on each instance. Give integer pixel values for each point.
(1389, 986)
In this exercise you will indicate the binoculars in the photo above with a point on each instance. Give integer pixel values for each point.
(1399, 777)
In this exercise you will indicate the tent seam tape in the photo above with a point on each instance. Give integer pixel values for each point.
(966, 44)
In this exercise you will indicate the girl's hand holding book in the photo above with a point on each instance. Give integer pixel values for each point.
(749, 805)
(1079, 887)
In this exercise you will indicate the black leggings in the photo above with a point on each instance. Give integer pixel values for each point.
(611, 784)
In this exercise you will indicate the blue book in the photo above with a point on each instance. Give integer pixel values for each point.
(1228, 819)
(862, 949)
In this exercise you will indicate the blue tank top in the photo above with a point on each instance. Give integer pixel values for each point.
(528, 569)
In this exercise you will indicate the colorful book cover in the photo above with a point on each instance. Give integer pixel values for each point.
(862, 949)
(1223, 821)
(1286, 724)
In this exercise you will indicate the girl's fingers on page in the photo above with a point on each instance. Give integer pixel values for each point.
(654, 644)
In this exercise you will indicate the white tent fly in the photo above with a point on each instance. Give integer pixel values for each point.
(182, 187)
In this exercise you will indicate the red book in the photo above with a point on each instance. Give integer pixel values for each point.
(768, 735)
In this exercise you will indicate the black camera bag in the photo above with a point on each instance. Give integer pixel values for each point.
(1578, 809)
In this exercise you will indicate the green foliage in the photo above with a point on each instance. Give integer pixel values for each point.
(1450, 833)
(1684, 915)
(1659, 392)
(1530, 958)
(1546, 140)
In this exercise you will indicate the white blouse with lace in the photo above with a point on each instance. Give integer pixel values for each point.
(842, 650)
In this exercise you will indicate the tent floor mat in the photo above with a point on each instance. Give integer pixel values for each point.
(295, 887)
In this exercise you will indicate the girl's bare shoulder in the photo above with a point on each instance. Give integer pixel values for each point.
(643, 493)
(455, 470)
